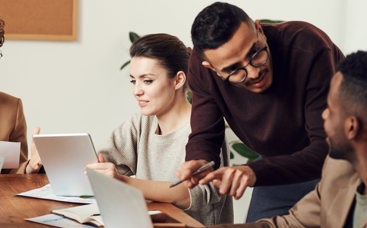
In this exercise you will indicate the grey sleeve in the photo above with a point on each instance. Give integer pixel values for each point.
(208, 203)
(122, 146)
(203, 195)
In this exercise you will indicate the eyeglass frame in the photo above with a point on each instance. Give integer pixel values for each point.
(233, 72)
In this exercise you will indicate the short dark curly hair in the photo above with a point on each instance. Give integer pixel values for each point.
(353, 88)
(2, 25)
(216, 24)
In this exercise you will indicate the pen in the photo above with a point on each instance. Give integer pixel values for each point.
(196, 172)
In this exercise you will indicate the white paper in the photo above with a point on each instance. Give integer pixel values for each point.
(45, 192)
(80, 213)
(83, 211)
(57, 221)
(1, 161)
(10, 151)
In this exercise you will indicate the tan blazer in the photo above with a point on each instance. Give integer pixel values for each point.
(329, 204)
(326, 206)
(13, 127)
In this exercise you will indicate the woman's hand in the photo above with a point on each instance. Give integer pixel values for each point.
(35, 164)
(107, 168)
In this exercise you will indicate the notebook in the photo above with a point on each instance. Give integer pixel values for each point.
(120, 205)
(64, 157)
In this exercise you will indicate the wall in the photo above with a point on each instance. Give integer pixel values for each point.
(78, 87)
(355, 33)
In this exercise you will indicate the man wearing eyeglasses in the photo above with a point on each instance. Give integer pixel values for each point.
(269, 82)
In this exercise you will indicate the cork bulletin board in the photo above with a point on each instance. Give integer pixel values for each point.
(39, 19)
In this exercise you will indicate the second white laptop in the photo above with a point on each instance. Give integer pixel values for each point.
(64, 157)
(120, 205)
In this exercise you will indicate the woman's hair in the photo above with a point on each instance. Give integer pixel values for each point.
(171, 52)
(2, 24)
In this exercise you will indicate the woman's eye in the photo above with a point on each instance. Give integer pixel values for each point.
(133, 82)
(148, 82)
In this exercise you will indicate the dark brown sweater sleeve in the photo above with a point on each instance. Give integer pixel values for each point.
(207, 124)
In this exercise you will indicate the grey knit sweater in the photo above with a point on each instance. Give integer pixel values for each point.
(136, 149)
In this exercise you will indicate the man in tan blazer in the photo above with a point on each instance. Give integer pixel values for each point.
(340, 198)
(13, 126)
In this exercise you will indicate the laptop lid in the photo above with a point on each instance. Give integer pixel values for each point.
(64, 157)
(120, 205)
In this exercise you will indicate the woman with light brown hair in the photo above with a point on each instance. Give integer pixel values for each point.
(151, 144)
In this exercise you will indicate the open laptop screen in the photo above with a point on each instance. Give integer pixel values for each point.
(64, 157)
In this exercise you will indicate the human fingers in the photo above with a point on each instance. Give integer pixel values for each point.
(191, 182)
(101, 158)
(100, 165)
(35, 163)
(214, 175)
(186, 170)
(217, 183)
(227, 180)
(36, 130)
(106, 168)
(242, 187)
(34, 152)
(246, 177)
(239, 182)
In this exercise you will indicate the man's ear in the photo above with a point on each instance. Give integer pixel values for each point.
(352, 127)
(258, 26)
(259, 29)
(180, 80)
(206, 64)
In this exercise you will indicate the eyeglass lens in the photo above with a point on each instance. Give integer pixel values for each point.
(257, 60)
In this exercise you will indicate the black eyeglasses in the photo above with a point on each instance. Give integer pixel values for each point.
(258, 59)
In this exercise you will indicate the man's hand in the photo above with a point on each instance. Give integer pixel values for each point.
(35, 164)
(185, 171)
(232, 181)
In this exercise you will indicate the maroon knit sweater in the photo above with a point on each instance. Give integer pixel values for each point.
(284, 123)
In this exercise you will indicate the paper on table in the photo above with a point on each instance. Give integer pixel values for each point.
(61, 221)
(83, 214)
(89, 213)
(10, 151)
(57, 221)
(45, 192)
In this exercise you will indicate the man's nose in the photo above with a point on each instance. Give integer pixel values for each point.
(252, 72)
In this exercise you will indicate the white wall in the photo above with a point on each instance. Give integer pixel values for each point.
(355, 32)
(78, 87)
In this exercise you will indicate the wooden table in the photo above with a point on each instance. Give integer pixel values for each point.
(13, 209)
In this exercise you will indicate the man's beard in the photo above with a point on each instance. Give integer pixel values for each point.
(343, 152)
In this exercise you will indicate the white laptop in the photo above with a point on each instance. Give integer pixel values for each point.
(64, 157)
(120, 205)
